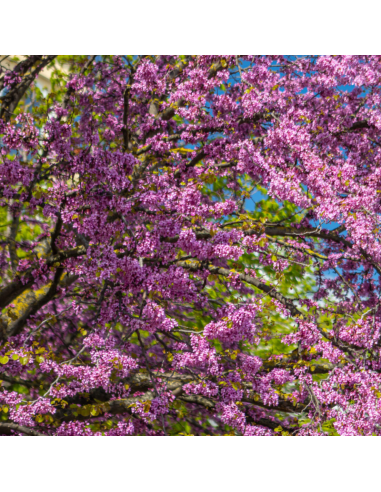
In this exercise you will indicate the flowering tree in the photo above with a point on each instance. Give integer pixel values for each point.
(190, 245)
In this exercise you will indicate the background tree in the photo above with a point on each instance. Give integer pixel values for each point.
(190, 245)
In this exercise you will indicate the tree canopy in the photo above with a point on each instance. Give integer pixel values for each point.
(190, 245)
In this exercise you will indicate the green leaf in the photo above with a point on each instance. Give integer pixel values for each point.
(147, 406)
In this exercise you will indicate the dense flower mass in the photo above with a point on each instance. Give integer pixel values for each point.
(190, 245)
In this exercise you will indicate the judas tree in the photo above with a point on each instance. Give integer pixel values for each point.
(191, 245)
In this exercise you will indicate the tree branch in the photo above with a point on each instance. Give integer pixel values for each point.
(13, 97)
(20, 428)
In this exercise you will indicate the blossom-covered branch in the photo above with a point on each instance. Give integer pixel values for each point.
(190, 244)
